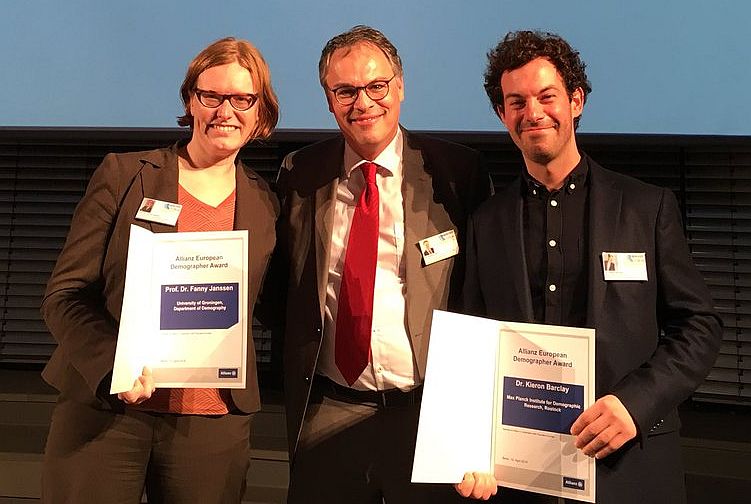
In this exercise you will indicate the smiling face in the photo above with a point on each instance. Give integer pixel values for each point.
(367, 125)
(221, 132)
(539, 114)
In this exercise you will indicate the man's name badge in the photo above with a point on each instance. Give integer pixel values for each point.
(439, 247)
(624, 265)
(162, 212)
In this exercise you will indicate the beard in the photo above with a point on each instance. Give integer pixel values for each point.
(541, 150)
(541, 156)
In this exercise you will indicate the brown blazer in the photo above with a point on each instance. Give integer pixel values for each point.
(84, 296)
(443, 183)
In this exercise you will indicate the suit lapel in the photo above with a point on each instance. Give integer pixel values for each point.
(417, 194)
(159, 179)
(324, 200)
(247, 204)
(512, 218)
(604, 214)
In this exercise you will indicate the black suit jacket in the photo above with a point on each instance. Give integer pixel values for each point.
(651, 374)
(443, 183)
(84, 296)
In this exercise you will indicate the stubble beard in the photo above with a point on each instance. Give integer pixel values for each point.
(541, 156)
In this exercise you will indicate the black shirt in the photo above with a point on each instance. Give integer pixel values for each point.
(555, 243)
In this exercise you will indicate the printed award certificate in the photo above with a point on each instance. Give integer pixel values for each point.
(184, 311)
(502, 401)
(545, 381)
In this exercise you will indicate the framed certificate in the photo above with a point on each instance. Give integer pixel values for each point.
(184, 311)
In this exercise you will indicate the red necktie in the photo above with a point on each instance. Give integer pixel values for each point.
(354, 317)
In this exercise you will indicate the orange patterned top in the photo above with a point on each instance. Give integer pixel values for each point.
(197, 216)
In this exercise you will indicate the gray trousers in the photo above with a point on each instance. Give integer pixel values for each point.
(359, 453)
(96, 456)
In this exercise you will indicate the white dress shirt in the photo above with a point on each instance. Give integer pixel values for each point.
(392, 362)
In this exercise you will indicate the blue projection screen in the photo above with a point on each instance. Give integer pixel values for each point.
(673, 66)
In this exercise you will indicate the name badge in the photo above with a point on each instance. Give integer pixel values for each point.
(624, 266)
(438, 247)
(162, 212)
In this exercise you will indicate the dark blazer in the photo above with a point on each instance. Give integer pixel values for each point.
(442, 184)
(84, 296)
(649, 372)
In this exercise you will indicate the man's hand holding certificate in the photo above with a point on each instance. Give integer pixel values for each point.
(604, 427)
(184, 312)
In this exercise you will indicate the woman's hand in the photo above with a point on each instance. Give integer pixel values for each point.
(142, 389)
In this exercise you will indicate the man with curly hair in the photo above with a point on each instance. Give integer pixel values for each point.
(536, 253)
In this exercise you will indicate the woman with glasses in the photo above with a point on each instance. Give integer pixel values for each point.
(181, 445)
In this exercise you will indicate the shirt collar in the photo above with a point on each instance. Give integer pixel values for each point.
(390, 159)
(577, 179)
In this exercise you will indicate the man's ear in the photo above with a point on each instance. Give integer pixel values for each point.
(328, 100)
(499, 111)
(577, 102)
(400, 87)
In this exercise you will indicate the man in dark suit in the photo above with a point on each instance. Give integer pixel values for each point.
(355, 210)
(536, 253)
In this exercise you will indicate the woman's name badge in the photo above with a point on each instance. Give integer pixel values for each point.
(162, 212)
(624, 265)
(438, 247)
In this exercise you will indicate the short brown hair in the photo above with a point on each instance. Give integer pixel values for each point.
(359, 34)
(230, 50)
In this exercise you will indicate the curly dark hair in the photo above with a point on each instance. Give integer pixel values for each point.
(520, 47)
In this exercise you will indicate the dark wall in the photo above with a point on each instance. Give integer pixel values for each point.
(43, 173)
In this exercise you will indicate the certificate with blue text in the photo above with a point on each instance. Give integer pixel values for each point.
(521, 386)
(184, 311)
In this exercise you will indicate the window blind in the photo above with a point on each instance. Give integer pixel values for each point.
(718, 225)
(44, 172)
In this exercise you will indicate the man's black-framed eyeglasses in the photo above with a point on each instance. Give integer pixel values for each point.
(376, 90)
(239, 102)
